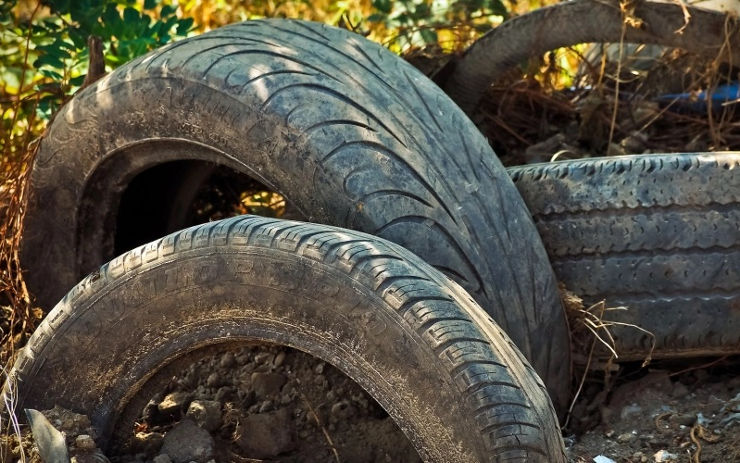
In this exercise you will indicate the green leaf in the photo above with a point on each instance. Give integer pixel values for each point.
(184, 25)
(77, 81)
(384, 6)
(167, 10)
(149, 4)
(130, 16)
(377, 17)
(497, 7)
(51, 74)
(428, 35)
(48, 60)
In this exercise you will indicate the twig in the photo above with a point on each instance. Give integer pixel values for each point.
(700, 367)
(321, 426)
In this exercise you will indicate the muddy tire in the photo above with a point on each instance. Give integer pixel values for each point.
(659, 234)
(581, 21)
(411, 337)
(349, 133)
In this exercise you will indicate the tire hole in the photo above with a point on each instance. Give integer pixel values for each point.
(176, 195)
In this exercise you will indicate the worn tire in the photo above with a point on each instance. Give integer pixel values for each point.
(659, 234)
(708, 33)
(352, 135)
(414, 339)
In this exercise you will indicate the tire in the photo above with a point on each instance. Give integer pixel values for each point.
(580, 21)
(350, 134)
(659, 234)
(411, 337)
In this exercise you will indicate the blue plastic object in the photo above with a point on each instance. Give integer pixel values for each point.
(698, 102)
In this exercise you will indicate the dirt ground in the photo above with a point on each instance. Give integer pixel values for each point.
(663, 414)
(268, 403)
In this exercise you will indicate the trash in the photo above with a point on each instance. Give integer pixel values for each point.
(603, 459)
(664, 455)
(50, 442)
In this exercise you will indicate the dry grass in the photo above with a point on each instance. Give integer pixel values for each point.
(591, 333)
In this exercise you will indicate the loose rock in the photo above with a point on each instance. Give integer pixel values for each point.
(174, 403)
(205, 413)
(85, 442)
(188, 442)
(267, 384)
(266, 435)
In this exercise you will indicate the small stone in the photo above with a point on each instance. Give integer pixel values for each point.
(266, 435)
(279, 359)
(685, 419)
(543, 151)
(267, 384)
(664, 455)
(205, 413)
(320, 381)
(319, 369)
(625, 437)
(174, 403)
(147, 442)
(265, 407)
(224, 393)
(187, 442)
(342, 410)
(634, 143)
(227, 360)
(162, 458)
(85, 442)
(214, 380)
(264, 358)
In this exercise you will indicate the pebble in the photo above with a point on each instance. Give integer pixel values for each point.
(205, 413)
(187, 442)
(264, 358)
(342, 410)
(266, 435)
(85, 442)
(174, 403)
(685, 419)
(279, 359)
(625, 437)
(214, 380)
(224, 393)
(664, 455)
(267, 384)
(147, 442)
(634, 143)
(227, 360)
(162, 458)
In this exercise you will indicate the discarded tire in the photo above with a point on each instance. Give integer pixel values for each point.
(659, 234)
(411, 337)
(581, 21)
(349, 133)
